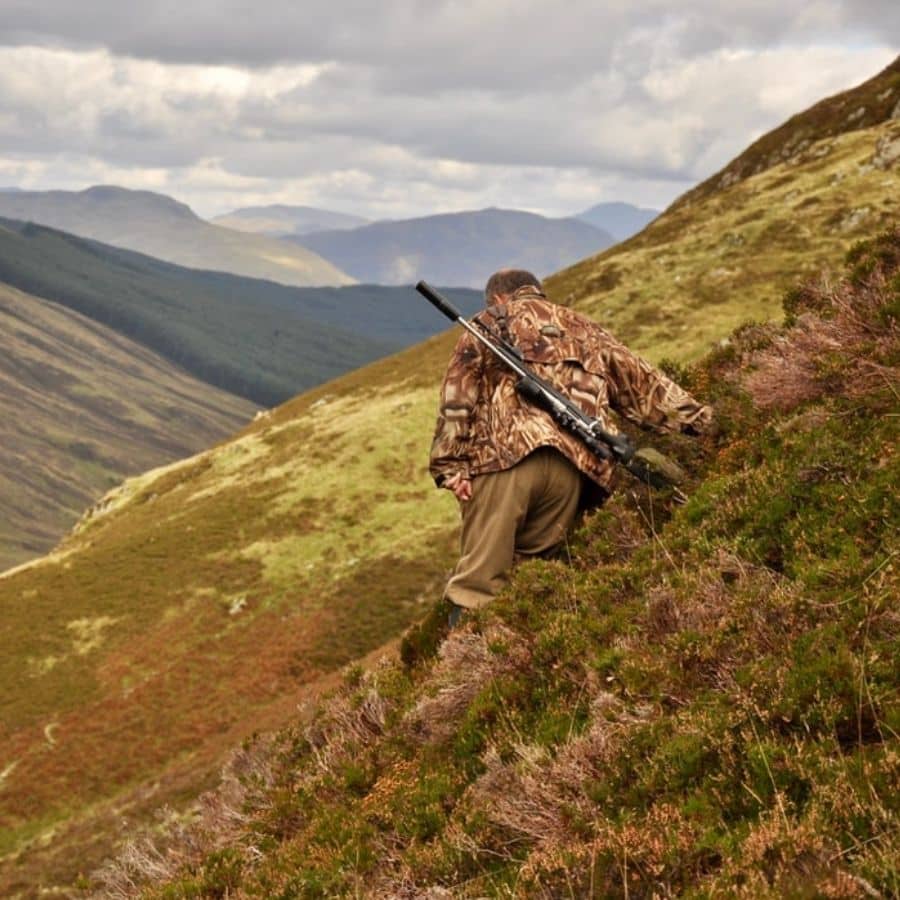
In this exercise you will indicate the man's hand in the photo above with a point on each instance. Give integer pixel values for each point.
(460, 485)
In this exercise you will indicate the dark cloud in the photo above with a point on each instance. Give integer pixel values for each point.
(485, 41)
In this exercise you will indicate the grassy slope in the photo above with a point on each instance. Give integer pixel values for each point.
(161, 227)
(704, 702)
(245, 336)
(701, 269)
(255, 338)
(211, 593)
(870, 103)
(81, 407)
(248, 528)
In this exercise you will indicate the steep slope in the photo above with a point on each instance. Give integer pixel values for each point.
(196, 603)
(704, 702)
(160, 226)
(318, 526)
(871, 103)
(457, 248)
(80, 408)
(257, 339)
(701, 269)
(727, 251)
(621, 220)
(278, 220)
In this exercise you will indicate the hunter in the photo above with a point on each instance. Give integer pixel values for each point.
(519, 478)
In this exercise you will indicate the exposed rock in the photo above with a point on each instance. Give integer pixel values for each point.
(887, 151)
(728, 179)
(854, 218)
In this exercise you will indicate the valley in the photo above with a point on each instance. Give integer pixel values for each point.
(716, 644)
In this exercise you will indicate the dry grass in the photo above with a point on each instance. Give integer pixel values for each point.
(465, 665)
(841, 345)
(537, 795)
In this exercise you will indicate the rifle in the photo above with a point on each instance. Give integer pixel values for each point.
(647, 465)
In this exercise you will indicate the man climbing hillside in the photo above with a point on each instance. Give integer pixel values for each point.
(519, 478)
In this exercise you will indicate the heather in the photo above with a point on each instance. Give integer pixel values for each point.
(216, 597)
(700, 700)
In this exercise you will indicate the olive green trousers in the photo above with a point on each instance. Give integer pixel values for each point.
(519, 512)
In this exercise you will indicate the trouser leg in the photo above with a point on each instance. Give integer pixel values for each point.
(552, 508)
(487, 538)
(526, 509)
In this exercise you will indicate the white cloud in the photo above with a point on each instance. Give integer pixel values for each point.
(414, 107)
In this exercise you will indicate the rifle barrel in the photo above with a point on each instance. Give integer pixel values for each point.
(438, 301)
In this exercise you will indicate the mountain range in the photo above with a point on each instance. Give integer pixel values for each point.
(164, 228)
(278, 220)
(457, 248)
(621, 220)
(687, 704)
(192, 349)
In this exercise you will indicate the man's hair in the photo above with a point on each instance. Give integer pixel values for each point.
(508, 281)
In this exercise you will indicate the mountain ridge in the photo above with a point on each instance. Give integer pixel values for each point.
(461, 249)
(873, 102)
(237, 333)
(738, 241)
(280, 219)
(160, 226)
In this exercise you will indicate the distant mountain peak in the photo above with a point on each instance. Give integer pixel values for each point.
(111, 193)
(621, 220)
(160, 226)
(280, 219)
(459, 248)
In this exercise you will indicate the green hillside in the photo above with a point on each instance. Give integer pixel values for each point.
(166, 229)
(81, 407)
(703, 701)
(870, 103)
(726, 252)
(201, 602)
(253, 338)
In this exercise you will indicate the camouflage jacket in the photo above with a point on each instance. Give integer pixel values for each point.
(485, 426)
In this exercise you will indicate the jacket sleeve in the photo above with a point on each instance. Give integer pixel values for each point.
(647, 397)
(451, 449)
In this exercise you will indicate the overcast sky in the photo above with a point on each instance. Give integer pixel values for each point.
(406, 107)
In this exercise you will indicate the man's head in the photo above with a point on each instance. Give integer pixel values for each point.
(503, 284)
